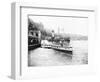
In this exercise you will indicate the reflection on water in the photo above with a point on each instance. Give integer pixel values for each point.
(50, 57)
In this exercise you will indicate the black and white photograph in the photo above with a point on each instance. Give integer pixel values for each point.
(55, 40)
(50, 41)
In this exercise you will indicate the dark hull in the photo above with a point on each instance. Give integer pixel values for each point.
(65, 51)
(69, 50)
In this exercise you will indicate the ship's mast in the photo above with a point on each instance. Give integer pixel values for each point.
(58, 30)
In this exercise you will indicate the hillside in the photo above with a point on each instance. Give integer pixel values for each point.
(47, 33)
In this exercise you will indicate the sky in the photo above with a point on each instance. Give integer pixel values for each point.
(64, 24)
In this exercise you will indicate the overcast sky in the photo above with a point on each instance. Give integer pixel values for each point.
(65, 24)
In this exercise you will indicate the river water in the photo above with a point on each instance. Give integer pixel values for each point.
(50, 57)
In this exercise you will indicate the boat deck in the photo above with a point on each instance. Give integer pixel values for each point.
(67, 49)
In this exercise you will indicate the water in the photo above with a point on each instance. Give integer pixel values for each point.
(50, 57)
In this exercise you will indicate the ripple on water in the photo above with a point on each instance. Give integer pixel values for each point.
(50, 57)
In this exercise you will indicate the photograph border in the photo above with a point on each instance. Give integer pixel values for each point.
(18, 7)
